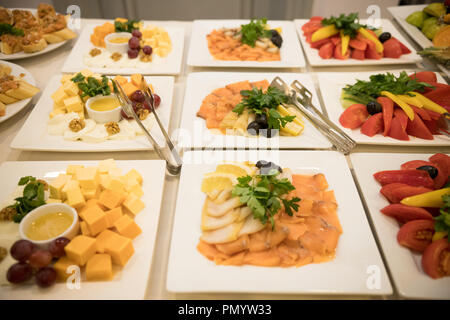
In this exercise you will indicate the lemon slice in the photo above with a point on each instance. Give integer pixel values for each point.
(218, 181)
(235, 168)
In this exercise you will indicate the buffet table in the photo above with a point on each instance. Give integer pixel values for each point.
(44, 66)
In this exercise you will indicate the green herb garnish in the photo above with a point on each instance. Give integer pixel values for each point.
(263, 194)
(252, 31)
(33, 197)
(442, 222)
(90, 86)
(127, 26)
(6, 28)
(348, 23)
(366, 91)
(259, 102)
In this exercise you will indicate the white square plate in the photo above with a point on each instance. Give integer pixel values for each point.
(33, 134)
(405, 266)
(195, 133)
(400, 14)
(331, 85)
(199, 55)
(349, 273)
(131, 281)
(387, 26)
(168, 65)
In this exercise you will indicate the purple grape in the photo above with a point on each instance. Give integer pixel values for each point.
(147, 50)
(56, 247)
(45, 277)
(124, 115)
(136, 33)
(133, 53)
(133, 43)
(40, 258)
(19, 272)
(157, 100)
(137, 96)
(22, 250)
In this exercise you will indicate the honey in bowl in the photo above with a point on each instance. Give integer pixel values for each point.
(49, 226)
(119, 40)
(105, 104)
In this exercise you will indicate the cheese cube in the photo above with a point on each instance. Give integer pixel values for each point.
(74, 197)
(120, 248)
(86, 72)
(116, 185)
(105, 165)
(57, 185)
(61, 267)
(133, 204)
(129, 88)
(111, 199)
(81, 249)
(58, 96)
(99, 268)
(72, 168)
(103, 238)
(127, 227)
(84, 229)
(134, 174)
(95, 219)
(70, 184)
(89, 203)
(88, 177)
(115, 172)
(120, 79)
(91, 193)
(131, 182)
(73, 104)
(113, 215)
(70, 88)
(104, 180)
(50, 200)
(66, 77)
(136, 190)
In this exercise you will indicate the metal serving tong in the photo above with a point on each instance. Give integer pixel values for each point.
(170, 154)
(300, 97)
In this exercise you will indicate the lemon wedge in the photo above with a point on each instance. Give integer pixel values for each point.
(236, 169)
(218, 181)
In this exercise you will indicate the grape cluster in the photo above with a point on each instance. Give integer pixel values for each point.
(134, 45)
(138, 100)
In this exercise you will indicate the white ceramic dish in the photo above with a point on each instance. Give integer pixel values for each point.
(400, 14)
(102, 116)
(128, 283)
(357, 256)
(22, 55)
(168, 65)
(199, 55)
(117, 47)
(331, 85)
(387, 26)
(13, 108)
(69, 233)
(405, 266)
(193, 130)
(33, 134)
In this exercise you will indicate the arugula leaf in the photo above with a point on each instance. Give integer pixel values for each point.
(348, 23)
(442, 222)
(90, 86)
(252, 31)
(263, 194)
(6, 28)
(33, 196)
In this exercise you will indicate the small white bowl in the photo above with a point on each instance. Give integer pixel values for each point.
(103, 116)
(117, 47)
(70, 232)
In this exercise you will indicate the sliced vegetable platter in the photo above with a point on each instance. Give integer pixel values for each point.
(405, 265)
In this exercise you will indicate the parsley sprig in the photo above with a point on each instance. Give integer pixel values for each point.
(263, 194)
(127, 26)
(90, 86)
(366, 91)
(254, 30)
(348, 23)
(259, 102)
(442, 222)
(33, 197)
(6, 28)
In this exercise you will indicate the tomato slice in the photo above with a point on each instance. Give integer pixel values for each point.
(424, 76)
(403, 213)
(392, 49)
(417, 178)
(387, 106)
(416, 234)
(326, 50)
(397, 131)
(396, 192)
(414, 164)
(373, 125)
(354, 116)
(436, 259)
(418, 129)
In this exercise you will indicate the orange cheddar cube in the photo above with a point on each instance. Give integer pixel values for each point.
(99, 267)
(62, 268)
(134, 174)
(127, 227)
(80, 249)
(74, 197)
(105, 165)
(137, 79)
(95, 219)
(88, 177)
(84, 229)
(116, 185)
(120, 79)
(120, 248)
(111, 199)
(133, 204)
(91, 193)
(57, 185)
(136, 190)
(113, 215)
(103, 238)
(105, 179)
(129, 88)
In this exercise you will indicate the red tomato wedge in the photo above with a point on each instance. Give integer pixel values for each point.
(358, 54)
(388, 112)
(424, 76)
(311, 26)
(440, 95)
(436, 86)
(373, 125)
(401, 115)
(418, 129)
(421, 112)
(436, 259)
(397, 130)
(336, 39)
(371, 51)
(417, 178)
(403, 213)
(396, 192)
(357, 44)
(316, 18)
(414, 164)
(354, 116)
(326, 51)
(432, 126)
(443, 160)
(320, 43)
(404, 48)
(338, 52)
(392, 49)
(416, 234)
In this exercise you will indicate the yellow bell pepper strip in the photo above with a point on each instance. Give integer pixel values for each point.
(438, 235)
(414, 101)
(324, 32)
(366, 34)
(428, 104)
(432, 199)
(408, 110)
(345, 39)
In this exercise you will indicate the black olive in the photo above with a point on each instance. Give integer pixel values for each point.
(253, 128)
(269, 166)
(384, 37)
(261, 119)
(374, 107)
(261, 163)
(432, 171)
(276, 38)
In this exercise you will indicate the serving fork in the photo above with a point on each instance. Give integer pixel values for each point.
(301, 98)
(168, 153)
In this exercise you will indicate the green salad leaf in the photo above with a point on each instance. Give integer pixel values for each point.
(252, 31)
(127, 26)
(91, 86)
(442, 222)
(6, 28)
(33, 196)
(348, 23)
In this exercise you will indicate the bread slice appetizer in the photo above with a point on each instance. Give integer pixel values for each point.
(33, 42)
(6, 16)
(10, 44)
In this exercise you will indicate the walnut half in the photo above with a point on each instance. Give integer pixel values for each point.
(112, 127)
(116, 56)
(142, 113)
(3, 253)
(7, 214)
(76, 125)
(94, 52)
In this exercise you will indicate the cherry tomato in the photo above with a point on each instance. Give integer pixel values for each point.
(436, 259)
(416, 235)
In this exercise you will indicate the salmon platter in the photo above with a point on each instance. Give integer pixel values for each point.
(256, 215)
